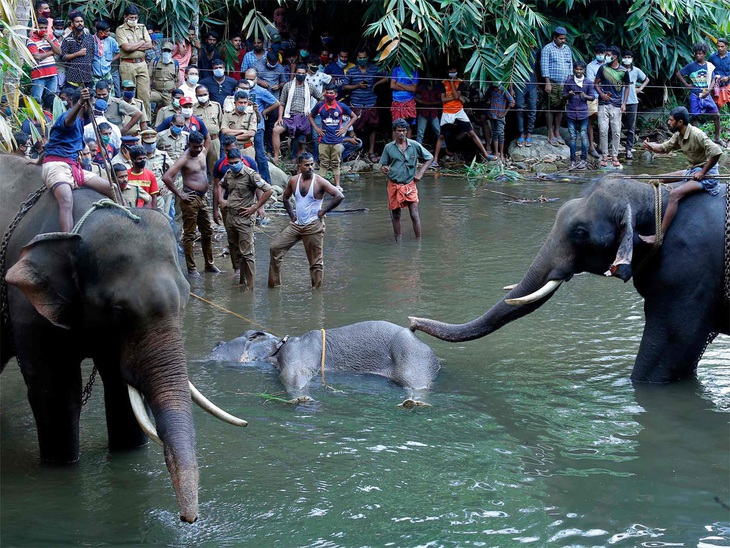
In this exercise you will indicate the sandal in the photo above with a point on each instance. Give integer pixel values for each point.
(560, 141)
(553, 141)
(629, 155)
(521, 142)
(616, 163)
(528, 142)
(373, 158)
(604, 162)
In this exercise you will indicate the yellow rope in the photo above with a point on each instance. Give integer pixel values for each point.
(244, 318)
(324, 340)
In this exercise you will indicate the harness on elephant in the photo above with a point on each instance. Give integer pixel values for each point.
(25, 207)
(658, 185)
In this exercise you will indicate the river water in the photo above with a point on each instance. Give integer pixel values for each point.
(535, 435)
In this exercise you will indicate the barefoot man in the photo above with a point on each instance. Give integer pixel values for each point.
(193, 202)
(62, 172)
(701, 152)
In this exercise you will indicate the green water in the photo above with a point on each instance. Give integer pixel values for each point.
(536, 436)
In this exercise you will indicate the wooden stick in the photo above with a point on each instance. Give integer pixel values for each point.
(110, 173)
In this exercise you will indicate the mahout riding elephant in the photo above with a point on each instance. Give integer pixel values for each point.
(373, 347)
(113, 292)
(681, 282)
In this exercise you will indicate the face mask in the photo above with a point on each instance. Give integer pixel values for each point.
(131, 23)
(303, 53)
(326, 40)
(57, 33)
(140, 164)
(167, 57)
(269, 65)
(106, 139)
(324, 59)
(176, 103)
(46, 14)
(609, 59)
(193, 79)
(86, 161)
(241, 108)
(329, 98)
(150, 147)
(219, 72)
(363, 62)
(251, 84)
(156, 36)
(42, 33)
(128, 94)
(341, 63)
(202, 99)
(301, 77)
(176, 130)
(313, 68)
(186, 112)
(627, 61)
(236, 168)
(453, 74)
(600, 58)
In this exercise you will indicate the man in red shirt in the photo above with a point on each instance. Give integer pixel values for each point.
(142, 177)
(42, 46)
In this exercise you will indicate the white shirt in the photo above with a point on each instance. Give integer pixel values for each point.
(116, 140)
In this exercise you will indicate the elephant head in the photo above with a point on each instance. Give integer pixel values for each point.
(115, 293)
(250, 346)
(597, 233)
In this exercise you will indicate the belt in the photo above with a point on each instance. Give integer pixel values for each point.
(132, 60)
(196, 192)
(247, 145)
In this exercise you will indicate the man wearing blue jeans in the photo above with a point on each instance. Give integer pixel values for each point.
(42, 47)
(578, 90)
(268, 106)
(525, 94)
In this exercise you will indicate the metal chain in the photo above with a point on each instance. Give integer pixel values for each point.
(86, 392)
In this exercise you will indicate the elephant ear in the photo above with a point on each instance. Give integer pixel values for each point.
(45, 273)
(621, 266)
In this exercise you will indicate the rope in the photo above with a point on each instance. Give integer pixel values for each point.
(657, 225)
(244, 318)
(104, 202)
(324, 340)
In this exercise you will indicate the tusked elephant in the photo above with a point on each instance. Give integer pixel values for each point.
(112, 292)
(373, 347)
(681, 283)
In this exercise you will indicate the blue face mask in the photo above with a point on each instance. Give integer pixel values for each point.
(236, 168)
(150, 147)
(176, 130)
(218, 73)
(128, 94)
(341, 63)
(86, 161)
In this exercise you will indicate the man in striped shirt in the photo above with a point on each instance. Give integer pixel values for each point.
(42, 46)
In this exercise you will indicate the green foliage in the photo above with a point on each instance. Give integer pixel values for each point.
(492, 171)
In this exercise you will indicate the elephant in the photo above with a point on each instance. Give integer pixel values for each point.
(374, 347)
(681, 281)
(111, 291)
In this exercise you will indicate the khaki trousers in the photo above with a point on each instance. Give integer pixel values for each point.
(330, 157)
(213, 154)
(240, 237)
(312, 236)
(196, 214)
(137, 72)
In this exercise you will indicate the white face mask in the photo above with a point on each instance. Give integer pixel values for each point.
(193, 79)
(600, 58)
(202, 99)
(167, 57)
(627, 61)
(186, 112)
(453, 74)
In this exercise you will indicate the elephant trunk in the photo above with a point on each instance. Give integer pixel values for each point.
(538, 275)
(162, 378)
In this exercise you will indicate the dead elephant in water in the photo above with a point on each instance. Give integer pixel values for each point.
(374, 347)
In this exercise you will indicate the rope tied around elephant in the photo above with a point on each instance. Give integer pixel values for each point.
(103, 203)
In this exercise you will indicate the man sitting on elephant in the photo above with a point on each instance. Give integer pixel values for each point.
(702, 153)
(61, 170)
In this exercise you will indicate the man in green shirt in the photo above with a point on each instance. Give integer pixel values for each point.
(399, 161)
(701, 152)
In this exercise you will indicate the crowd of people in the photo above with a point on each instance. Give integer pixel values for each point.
(166, 120)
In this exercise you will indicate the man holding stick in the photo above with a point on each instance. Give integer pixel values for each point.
(701, 152)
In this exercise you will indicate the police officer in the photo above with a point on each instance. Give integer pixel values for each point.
(158, 161)
(211, 113)
(164, 75)
(134, 41)
(122, 156)
(128, 96)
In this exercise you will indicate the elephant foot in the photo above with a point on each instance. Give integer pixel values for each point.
(301, 399)
(410, 403)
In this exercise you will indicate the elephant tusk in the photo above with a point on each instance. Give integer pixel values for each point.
(140, 413)
(544, 291)
(509, 287)
(213, 409)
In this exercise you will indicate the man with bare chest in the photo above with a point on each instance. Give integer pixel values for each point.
(307, 221)
(193, 202)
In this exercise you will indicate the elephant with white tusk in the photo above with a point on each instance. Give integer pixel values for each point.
(373, 347)
(682, 282)
(111, 291)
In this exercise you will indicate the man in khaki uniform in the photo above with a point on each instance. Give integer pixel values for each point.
(243, 182)
(211, 113)
(122, 157)
(242, 123)
(118, 110)
(173, 108)
(134, 41)
(128, 96)
(159, 161)
(164, 74)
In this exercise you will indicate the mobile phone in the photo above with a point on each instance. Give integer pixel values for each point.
(252, 96)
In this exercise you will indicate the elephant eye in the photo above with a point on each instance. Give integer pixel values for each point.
(580, 233)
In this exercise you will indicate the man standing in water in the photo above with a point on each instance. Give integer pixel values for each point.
(701, 152)
(193, 202)
(399, 160)
(307, 222)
